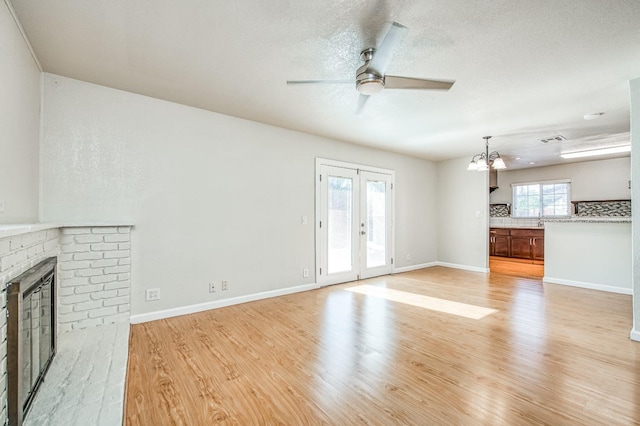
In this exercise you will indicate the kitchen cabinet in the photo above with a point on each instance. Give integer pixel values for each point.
(519, 243)
(499, 242)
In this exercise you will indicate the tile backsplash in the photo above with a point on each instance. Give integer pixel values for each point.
(510, 222)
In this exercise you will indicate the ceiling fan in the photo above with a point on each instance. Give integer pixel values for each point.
(371, 77)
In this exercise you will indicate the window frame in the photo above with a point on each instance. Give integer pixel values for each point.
(541, 205)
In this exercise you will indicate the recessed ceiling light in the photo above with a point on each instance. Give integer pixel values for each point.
(594, 152)
(532, 162)
(518, 158)
(593, 115)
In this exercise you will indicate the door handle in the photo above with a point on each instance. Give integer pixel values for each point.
(362, 232)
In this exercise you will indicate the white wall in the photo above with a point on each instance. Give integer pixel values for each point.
(635, 208)
(463, 208)
(589, 255)
(212, 197)
(590, 180)
(19, 124)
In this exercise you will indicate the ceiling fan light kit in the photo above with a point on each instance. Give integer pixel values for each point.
(371, 78)
(481, 162)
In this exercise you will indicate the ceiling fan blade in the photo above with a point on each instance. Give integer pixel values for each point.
(320, 81)
(362, 100)
(393, 82)
(384, 52)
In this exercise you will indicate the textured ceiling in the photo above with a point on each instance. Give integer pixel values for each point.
(524, 70)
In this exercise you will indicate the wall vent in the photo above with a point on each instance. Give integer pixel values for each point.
(558, 138)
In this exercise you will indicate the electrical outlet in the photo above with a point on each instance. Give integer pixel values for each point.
(408, 257)
(153, 294)
(225, 286)
(305, 272)
(2, 205)
(212, 287)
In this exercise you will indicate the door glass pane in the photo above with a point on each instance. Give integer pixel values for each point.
(340, 218)
(376, 224)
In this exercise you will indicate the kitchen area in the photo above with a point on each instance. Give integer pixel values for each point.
(588, 245)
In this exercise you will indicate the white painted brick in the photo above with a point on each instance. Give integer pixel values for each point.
(104, 230)
(88, 305)
(76, 231)
(71, 300)
(122, 300)
(117, 238)
(124, 277)
(66, 291)
(104, 262)
(50, 245)
(86, 324)
(117, 269)
(90, 238)
(117, 254)
(124, 229)
(105, 294)
(89, 289)
(64, 328)
(72, 282)
(103, 312)
(53, 233)
(76, 316)
(21, 256)
(74, 264)
(117, 285)
(15, 243)
(123, 308)
(65, 257)
(65, 309)
(74, 247)
(92, 255)
(103, 279)
(124, 246)
(35, 250)
(124, 292)
(88, 272)
(119, 318)
(65, 274)
(4, 246)
(124, 261)
(67, 239)
(7, 262)
(104, 246)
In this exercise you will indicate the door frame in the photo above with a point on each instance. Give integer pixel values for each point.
(358, 167)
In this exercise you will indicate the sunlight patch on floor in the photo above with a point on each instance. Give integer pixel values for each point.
(432, 303)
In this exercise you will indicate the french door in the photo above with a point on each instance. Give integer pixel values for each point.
(354, 230)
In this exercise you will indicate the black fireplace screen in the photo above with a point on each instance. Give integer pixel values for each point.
(31, 336)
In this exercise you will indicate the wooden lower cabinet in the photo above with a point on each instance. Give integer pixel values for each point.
(499, 242)
(517, 243)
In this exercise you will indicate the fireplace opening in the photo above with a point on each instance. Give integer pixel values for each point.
(31, 335)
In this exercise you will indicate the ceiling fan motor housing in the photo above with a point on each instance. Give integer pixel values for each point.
(367, 82)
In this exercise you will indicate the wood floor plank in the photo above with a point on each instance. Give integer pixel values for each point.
(549, 355)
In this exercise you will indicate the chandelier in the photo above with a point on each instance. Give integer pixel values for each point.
(481, 162)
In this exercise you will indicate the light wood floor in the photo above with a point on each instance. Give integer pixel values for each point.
(551, 355)
(516, 267)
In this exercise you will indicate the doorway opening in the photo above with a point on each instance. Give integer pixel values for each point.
(354, 229)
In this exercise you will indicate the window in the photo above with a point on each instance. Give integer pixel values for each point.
(544, 199)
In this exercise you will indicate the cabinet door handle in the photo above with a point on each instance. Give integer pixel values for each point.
(534, 241)
(530, 243)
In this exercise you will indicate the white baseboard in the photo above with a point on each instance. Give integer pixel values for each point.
(635, 335)
(464, 267)
(590, 286)
(414, 267)
(199, 307)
